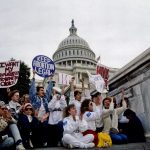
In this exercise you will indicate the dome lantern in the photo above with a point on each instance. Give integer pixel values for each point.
(73, 29)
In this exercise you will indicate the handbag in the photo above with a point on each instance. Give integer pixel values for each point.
(104, 140)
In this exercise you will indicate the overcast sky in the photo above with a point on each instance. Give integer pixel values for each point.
(118, 30)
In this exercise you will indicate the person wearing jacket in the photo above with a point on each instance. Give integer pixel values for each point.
(73, 127)
(39, 100)
(29, 127)
(6, 142)
(134, 129)
(110, 119)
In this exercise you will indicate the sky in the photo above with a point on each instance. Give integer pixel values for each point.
(117, 30)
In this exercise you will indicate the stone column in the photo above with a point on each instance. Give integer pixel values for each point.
(71, 63)
(76, 78)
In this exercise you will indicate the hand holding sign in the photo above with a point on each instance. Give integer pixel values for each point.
(43, 66)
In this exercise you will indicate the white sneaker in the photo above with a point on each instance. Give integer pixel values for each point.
(20, 147)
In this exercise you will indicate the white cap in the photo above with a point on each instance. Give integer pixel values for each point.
(57, 89)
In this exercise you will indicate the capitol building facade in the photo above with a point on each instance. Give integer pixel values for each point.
(74, 57)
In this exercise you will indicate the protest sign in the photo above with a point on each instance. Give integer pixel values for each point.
(43, 66)
(64, 78)
(97, 81)
(9, 73)
(104, 72)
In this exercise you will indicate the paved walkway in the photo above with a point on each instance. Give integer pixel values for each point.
(131, 146)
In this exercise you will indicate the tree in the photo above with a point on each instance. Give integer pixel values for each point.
(23, 80)
(22, 85)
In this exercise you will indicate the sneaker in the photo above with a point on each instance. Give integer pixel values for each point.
(20, 147)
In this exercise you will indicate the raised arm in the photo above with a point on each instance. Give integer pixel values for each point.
(32, 90)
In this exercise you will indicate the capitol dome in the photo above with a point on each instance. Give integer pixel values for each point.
(73, 50)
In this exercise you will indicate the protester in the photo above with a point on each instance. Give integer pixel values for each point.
(76, 96)
(134, 129)
(6, 142)
(123, 120)
(73, 128)
(39, 100)
(97, 106)
(14, 105)
(91, 117)
(110, 119)
(29, 127)
(12, 127)
(56, 107)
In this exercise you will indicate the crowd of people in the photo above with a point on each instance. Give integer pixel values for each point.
(47, 119)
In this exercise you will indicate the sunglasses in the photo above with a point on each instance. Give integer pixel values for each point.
(26, 109)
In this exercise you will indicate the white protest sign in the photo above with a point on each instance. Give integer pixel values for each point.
(9, 73)
(97, 81)
(64, 78)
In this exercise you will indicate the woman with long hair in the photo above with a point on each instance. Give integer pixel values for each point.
(90, 116)
(73, 128)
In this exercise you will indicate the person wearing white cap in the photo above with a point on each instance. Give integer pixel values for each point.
(56, 107)
(97, 107)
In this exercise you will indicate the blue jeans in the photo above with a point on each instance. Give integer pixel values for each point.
(7, 143)
(119, 138)
(15, 133)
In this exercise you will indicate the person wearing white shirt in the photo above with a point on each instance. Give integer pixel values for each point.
(55, 127)
(14, 105)
(73, 127)
(97, 107)
(90, 116)
(76, 96)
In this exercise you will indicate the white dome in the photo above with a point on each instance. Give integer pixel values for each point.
(73, 40)
(73, 47)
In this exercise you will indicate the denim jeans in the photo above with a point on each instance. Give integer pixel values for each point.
(15, 133)
(7, 143)
(119, 138)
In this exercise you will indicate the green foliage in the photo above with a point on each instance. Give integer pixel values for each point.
(23, 81)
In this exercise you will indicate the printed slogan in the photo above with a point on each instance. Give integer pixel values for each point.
(9, 73)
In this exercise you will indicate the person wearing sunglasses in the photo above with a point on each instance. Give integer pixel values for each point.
(12, 126)
(29, 127)
(6, 142)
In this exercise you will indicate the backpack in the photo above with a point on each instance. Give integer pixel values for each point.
(104, 140)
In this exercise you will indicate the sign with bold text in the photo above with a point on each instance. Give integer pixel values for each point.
(64, 78)
(9, 73)
(43, 66)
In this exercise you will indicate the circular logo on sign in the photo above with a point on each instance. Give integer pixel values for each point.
(43, 66)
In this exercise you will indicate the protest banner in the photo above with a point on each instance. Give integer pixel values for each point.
(43, 66)
(104, 72)
(97, 81)
(64, 78)
(9, 73)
